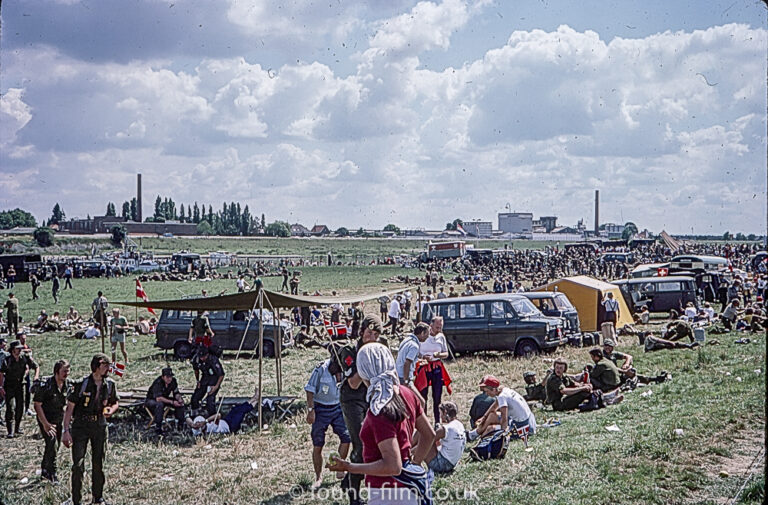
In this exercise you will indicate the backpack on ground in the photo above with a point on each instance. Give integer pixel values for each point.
(492, 446)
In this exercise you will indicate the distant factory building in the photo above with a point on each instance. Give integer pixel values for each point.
(479, 229)
(516, 222)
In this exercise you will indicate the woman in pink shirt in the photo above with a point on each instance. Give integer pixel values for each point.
(391, 464)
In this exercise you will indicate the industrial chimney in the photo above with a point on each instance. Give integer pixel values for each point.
(139, 217)
(597, 213)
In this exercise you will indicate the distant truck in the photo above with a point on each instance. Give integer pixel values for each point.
(441, 250)
(23, 264)
(185, 262)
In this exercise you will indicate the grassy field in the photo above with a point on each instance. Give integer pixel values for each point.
(717, 397)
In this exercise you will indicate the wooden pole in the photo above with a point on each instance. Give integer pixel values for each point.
(278, 351)
(261, 355)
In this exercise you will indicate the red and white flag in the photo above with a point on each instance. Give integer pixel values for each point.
(140, 293)
(117, 369)
(335, 329)
(522, 432)
(663, 272)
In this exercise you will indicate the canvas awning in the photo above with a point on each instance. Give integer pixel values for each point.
(247, 301)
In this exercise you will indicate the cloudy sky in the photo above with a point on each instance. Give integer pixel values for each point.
(362, 113)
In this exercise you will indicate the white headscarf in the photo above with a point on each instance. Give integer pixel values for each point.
(376, 365)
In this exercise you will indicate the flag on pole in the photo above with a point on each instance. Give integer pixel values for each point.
(335, 329)
(522, 432)
(663, 272)
(117, 369)
(140, 293)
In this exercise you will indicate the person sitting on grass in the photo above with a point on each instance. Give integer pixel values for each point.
(449, 443)
(228, 424)
(677, 330)
(605, 376)
(534, 391)
(508, 411)
(563, 392)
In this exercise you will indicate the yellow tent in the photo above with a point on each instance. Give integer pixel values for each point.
(586, 293)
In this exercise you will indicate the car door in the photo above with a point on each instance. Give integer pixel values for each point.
(471, 326)
(502, 326)
(220, 325)
(668, 296)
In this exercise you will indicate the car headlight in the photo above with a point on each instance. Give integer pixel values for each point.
(548, 328)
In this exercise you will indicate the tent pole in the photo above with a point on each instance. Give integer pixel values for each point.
(261, 354)
(278, 351)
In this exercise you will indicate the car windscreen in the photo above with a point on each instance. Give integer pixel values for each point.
(524, 308)
(563, 303)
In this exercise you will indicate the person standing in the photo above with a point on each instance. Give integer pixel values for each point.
(408, 353)
(284, 273)
(200, 332)
(324, 410)
(357, 318)
(117, 327)
(50, 402)
(353, 397)
(91, 401)
(26, 351)
(431, 370)
(394, 315)
(11, 277)
(12, 373)
(12, 313)
(209, 374)
(35, 283)
(164, 392)
(99, 307)
(387, 434)
(611, 307)
(68, 277)
(295, 283)
(55, 286)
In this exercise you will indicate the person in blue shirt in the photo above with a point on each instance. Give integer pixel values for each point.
(408, 353)
(324, 410)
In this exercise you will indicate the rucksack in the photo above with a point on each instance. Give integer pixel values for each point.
(493, 446)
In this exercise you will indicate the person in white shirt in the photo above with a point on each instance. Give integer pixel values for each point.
(241, 284)
(690, 311)
(432, 369)
(228, 424)
(509, 411)
(394, 314)
(92, 332)
(408, 353)
(611, 306)
(709, 311)
(450, 441)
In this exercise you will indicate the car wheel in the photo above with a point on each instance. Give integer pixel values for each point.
(526, 348)
(182, 350)
(269, 349)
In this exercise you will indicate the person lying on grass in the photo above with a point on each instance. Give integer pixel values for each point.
(228, 424)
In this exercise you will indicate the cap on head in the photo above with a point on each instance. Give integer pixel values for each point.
(373, 323)
(490, 381)
(609, 342)
(528, 374)
(14, 345)
(167, 372)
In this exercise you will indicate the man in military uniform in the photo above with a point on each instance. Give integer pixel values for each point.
(354, 404)
(677, 330)
(91, 401)
(164, 392)
(200, 332)
(563, 393)
(99, 307)
(533, 392)
(611, 354)
(209, 375)
(12, 314)
(605, 375)
(50, 401)
(12, 375)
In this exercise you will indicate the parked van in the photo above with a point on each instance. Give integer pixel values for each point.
(696, 263)
(500, 322)
(228, 327)
(554, 304)
(659, 294)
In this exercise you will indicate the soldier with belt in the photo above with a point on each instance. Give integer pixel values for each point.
(90, 403)
(200, 332)
(50, 401)
(12, 314)
(209, 375)
(12, 374)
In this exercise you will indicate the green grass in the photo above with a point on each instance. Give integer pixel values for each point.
(579, 462)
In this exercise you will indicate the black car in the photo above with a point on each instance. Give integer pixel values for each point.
(500, 322)
(228, 328)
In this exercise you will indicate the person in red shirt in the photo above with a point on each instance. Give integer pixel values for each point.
(390, 460)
